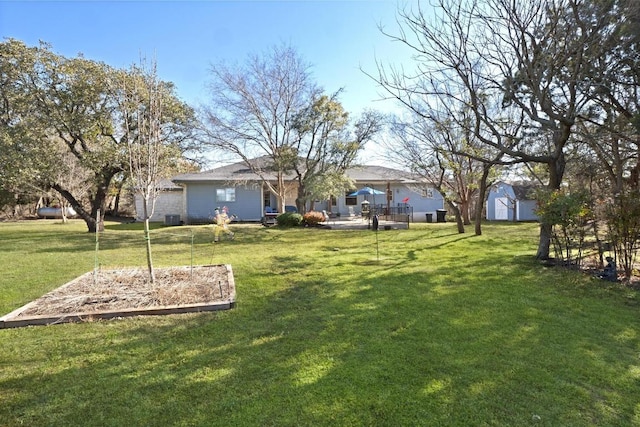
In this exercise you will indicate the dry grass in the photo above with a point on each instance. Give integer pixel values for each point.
(113, 290)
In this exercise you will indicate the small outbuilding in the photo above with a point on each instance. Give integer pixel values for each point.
(511, 202)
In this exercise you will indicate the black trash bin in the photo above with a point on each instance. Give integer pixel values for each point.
(441, 215)
(429, 217)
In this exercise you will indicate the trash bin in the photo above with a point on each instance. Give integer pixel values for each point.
(430, 217)
(441, 215)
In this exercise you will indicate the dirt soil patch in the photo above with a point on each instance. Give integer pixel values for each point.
(127, 291)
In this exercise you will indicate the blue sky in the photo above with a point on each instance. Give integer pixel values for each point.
(187, 37)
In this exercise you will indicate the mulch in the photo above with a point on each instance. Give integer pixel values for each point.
(130, 288)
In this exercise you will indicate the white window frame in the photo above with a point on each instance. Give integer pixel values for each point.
(226, 194)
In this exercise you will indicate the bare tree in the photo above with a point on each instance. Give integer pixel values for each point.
(431, 150)
(534, 55)
(142, 109)
(252, 112)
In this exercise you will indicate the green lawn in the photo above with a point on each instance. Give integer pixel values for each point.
(438, 329)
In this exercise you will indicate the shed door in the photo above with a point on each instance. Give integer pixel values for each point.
(502, 208)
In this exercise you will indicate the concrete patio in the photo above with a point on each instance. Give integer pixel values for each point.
(358, 223)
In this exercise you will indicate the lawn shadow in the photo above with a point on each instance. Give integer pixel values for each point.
(366, 343)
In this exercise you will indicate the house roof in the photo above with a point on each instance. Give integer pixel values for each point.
(522, 191)
(365, 173)
(168, 185)
(240, 172)
(235, 172)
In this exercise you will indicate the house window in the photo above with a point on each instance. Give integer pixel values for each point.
(226, 194)
(350, 200)
(427, 192)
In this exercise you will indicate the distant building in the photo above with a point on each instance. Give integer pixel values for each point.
(511, 202)
(247, 196)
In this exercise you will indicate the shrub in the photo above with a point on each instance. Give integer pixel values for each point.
(568, 213)
(289, 219)
(313, 218)
(622, 215)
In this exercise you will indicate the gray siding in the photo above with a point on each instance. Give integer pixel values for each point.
(200, 193)
(201, 202)
(420, 203)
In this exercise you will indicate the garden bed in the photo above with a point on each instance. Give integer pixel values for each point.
(128, 292)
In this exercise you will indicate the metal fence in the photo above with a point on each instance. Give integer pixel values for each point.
(402, 213)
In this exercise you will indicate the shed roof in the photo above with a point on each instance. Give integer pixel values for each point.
(522, 191)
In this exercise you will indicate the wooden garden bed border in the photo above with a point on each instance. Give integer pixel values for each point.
(11, 320)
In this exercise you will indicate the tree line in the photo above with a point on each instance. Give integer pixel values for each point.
(87, 130)
(67, 125)
(546, 89)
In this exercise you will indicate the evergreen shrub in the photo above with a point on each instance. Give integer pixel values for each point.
(289, 219)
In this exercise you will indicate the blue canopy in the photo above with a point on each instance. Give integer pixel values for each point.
(365, 191)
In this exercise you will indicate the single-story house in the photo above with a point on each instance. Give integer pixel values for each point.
(248, 197)
(511, 202)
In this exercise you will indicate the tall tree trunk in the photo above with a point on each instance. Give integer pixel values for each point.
(544, 244)
(482, 195)
(147, 238)
(465, 213)
(116, 202)
(458, 216)
(98, 201)
(97, 205)
(300, 204)
(556, 172)
(280, 194)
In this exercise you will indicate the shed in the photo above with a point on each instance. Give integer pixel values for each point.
(511, 202)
